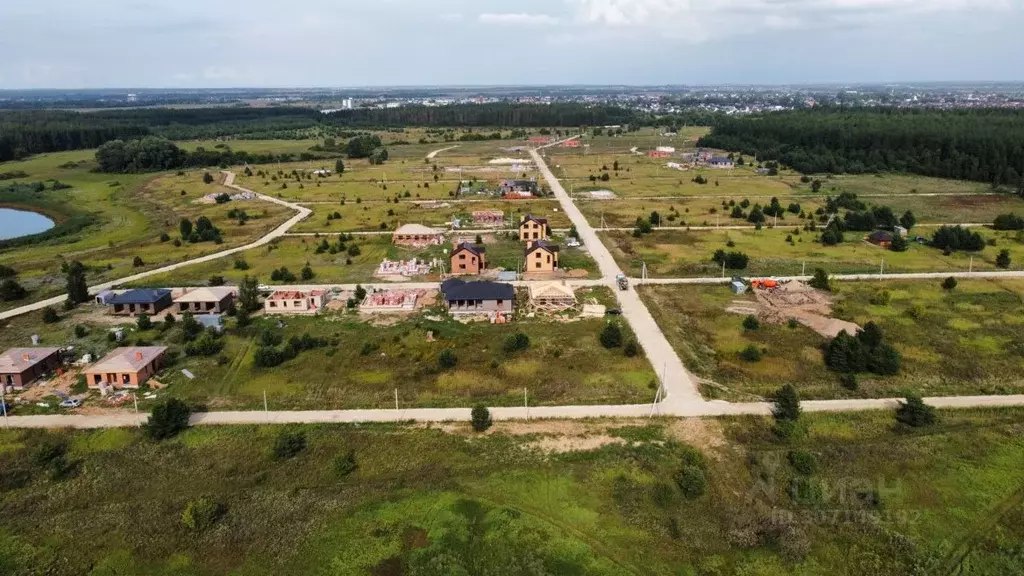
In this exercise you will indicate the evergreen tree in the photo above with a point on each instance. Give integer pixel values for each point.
(77, 289)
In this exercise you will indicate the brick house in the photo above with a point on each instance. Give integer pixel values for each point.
(127, 367)
(136, 302)
(20, 367)
(532, 228)
(212, 300)
(469, 259)
(463, 297)
(541, 257)
(417, 235)
(295, 302)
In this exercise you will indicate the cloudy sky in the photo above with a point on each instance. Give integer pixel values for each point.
(225, 43)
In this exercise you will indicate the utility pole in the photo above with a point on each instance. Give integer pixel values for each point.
(3, 401)
(723, 268)
(803, 270)
(526, 404)
(266, 407)
(970, 268)
(396, 398)
(881, 270)
(135, 398)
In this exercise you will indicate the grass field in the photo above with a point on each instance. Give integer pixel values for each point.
(366, 361)
(368, 216)
(680, 253)
(427, 501)
(960, 342)
(131, 212)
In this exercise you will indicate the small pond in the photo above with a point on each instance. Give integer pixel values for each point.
(15, 223)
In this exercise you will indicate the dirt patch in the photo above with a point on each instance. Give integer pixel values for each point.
(705, 434)
(563, 444)
(795, 301)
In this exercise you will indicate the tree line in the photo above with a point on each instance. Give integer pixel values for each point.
(153, 153)
(977, 145)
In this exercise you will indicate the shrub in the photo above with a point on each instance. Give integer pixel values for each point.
(201, 514)
(611, 336)
(169, 417)
(516, 342)
(50, 315)
(81, 331)
(480, 418)
(1008, 222)
(447, 359)
(786, 404)
(751, 323)
(11, 290)
(143, 322)
(205, 345)
(631, 349)
(949, 283)
(880, 298)
(732, 260)
(955, 238)
(914, 412)
(289, 444)
(137, 262)
(848, 381)
(216, 281)
(803, 462)
(751, 354)
(241, 265)
(820, 280)
(692, 481)
(207, 178)
(1003, 259)
(345, 464)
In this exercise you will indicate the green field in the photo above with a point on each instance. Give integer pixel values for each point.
(368, 216)
(961, 342)
(426, 501)
(366, 360)
(130, 212)
(680, 253)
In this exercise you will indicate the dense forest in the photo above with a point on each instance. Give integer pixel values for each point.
(979, 145)
(24, 133)
(153, 153)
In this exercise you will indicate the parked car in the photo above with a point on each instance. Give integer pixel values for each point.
(71, 403)
(613, 312)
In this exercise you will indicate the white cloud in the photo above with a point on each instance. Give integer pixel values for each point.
(701, 20)
(451, 17)
(519, 19)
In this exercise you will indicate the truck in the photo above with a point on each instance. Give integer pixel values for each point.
(621, 280)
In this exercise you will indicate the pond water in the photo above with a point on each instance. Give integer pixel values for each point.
(15, 223)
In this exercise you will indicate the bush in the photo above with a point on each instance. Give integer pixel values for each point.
(169, 417)
(631, 349)
(949, 283)
(81, 331)
(751, 354)
(50, 315)
(732, 260)
(611, 336)
(345, 464)
(1008, 222)
(201, 514)
(955, 238)
(137, 262)
(803, 462)
(914, 412)
(289, 444)
(205, 345)
(751, 323)
(11, 290)
(786, 404)
(516, 342)
(1003, 260)
(215, 281)
(848, 381)
(447, 359)
(143, 322)
(480, 418)
(692, 481)
(820, 280)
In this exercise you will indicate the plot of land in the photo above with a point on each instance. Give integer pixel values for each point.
(369, 216)
(420, 498)
(676, 253)
(960, 342)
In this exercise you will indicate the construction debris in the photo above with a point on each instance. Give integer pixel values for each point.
(779, 302)
(551, 297)
(405, 268)
(391, 301)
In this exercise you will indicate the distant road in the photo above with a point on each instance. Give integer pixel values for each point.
(433, 154)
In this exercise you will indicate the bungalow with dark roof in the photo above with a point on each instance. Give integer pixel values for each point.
(20, 367)
(533, 228)
(478, 297)
(468, 259)
(720, 162)
(541, 256)
(136, 302)
(881, 238)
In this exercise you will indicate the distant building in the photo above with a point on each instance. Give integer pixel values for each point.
(518, 189)
(880, 238)
(666, 149)
(541, 257)
(20, 367)
(417, 235)
(478, 297)
(212, 300)
(571, 144)
(468, 259)
(658, 154)
(126, 367)
(533, 228)
(295, 302)
(720, 162)
(136, 302)
(539, 140)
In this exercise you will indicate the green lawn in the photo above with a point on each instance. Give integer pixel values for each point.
(961, 342)
(681, 253)
(426, 501)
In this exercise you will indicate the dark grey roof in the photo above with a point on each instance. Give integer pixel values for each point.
(477, 291)
(541, 245)
(531, 217)
(140, 297)
(880, 236)
(718, 159)
(478, 250)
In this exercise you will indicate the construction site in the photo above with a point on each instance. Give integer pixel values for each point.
(391, 301)
(778, 302)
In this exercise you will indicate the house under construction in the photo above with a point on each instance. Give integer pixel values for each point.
(551, 296)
